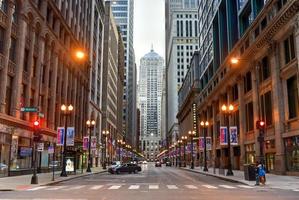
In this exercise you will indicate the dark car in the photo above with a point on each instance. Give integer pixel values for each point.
(168, 164)
(125, 168)
(158, 164)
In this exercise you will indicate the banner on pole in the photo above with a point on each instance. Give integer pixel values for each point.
(223, 135)
(93, 144)
(209, 143)
(201, 143)
(85, 143)
(70, 136)
(60, 136)
(233, 135)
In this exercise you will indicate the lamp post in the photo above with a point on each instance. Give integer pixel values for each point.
(66, 110)
(105, 133)
(184, 139)
(90, 125)
(180, 157)
(123, 144)
(205, 125)
(227, 111)
(176, 156)
(119, 142)
(191, 134)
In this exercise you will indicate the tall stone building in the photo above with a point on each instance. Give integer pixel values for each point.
(37, 70)
(248, 57)
(150, 100)
(181, 26)
(113, 64)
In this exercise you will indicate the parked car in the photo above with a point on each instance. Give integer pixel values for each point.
(128, 168)
(158, 164)
(115, 164)
(168, 164)
(144, 162)
(3, 167)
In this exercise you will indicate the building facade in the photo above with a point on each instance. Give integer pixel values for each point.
(123, 12)
(261, 83)
(150, 100)
(38, 71)
(181, 40)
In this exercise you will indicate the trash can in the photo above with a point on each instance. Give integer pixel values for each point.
(249, 172)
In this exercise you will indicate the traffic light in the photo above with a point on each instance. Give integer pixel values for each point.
(260, 124)
(36, 124)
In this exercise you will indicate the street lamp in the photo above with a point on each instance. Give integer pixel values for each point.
(90, 125)
(191, 134)
(184, 140)
(66, 110)
(205, 125)
(119, 142)
(227, 111)
(176, 156)
(180, 157)
(105, 133)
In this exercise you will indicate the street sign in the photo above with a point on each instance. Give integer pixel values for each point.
(28, 109)
(40, 147)
(41, 115)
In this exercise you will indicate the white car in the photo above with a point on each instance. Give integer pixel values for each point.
(144, 162)
(115, 164)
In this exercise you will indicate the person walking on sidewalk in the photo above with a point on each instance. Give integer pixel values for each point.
(257, 177)
(262, 173)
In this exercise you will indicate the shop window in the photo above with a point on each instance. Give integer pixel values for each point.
(235, 93)
(264, 70)
(12, 50)
(250, 153)
(292, 153)
(266, 108)
(8, 95)
(247, 82)
(289, 49)
(293, 100)
(249, 116)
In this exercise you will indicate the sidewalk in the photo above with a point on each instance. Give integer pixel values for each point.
(22, 182)
(273, 181)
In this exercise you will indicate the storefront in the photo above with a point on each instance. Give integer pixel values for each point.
(5, 140)
(292, 153)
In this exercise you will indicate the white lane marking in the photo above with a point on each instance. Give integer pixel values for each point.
(114, 187)
(172, 187)
(96, 187)
(227, 186)
(210, 186)
(37, 188)
(297, 190)
(191, 187)
(75, 187)
(55, 188)
(245, 186)
(153, 187)
(134, 187)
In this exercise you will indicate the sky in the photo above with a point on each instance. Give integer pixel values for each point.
(148, 28)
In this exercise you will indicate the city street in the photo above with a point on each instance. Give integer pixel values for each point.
(152, 183)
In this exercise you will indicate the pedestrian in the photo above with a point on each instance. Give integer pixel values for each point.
(257, 177)
(262, 173)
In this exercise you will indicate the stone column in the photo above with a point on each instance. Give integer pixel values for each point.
(7, 41)
(242, 120)
(17, 81)
(53, 85)
(296, 40)
(256, 108)
(40, 59)
(45, 86)
(278, 108)
(59, 88)
(229, 100)
(214, 124)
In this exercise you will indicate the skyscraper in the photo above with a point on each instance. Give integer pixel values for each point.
(150, 99)
(181, 26)
(123, 12)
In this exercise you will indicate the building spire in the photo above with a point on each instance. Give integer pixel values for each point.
(152, 48)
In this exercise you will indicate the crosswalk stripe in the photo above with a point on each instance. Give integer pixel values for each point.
(227, 186)
(75, 188)
(153, 187)
(56, 188)
(114, 187)
(172, 187)
(96, 187)
(134, 187)
(36, 188)
(296, 190)
(210, 186)
(245, 186)
(190, 186)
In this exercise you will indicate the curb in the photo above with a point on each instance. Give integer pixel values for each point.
(216, 176)
(58, 181)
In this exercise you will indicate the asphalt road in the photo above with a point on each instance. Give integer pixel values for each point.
(166, 183)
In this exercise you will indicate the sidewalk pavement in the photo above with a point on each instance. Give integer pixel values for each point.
(272, 180)
(22, 182)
